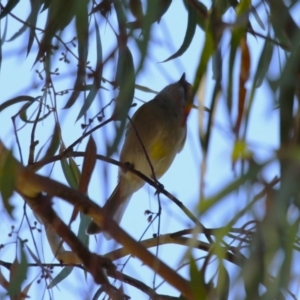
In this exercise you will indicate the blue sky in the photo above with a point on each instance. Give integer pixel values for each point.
(183, 177)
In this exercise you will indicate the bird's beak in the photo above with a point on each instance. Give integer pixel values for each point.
(182, 78)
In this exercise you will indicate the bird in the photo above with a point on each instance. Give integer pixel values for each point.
(154, 136)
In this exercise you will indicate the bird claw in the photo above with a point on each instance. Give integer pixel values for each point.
(127, 166)
(159, 188)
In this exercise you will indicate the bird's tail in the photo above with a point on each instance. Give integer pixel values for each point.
(115, 206)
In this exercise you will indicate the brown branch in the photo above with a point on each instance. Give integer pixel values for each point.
(175, 238)
(139, 285)
(129, 168)
(31, 185)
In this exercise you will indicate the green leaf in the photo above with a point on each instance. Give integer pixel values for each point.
(198, 285)
(84, 222)
(257, 18)
(264, 63)
(125, 69)
(223, 283)
(8, 8)
(46, 5)
(231, 187)
(125, 77)
(18, 274)
(53, 146)
(2, 39)
(71, 172)
(156, 9)
(207, 52)
(235, 41)
(97, 76)
(82, 38)
(213, 107)
(24, 118)
(189, 34)
(16, 100)
(7, 181)
(63, 274)
(144, 89)
(32, 19)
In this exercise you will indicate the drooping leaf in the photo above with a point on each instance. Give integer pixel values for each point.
(25, 119)
(125, 69)
(7, 182)
(8, 8)
(18, 33)
(216, 93)
(283, 24)
(144, 89)
(32, 19)
(244, 75)
(81, 13)
(46, 5)
(257, 18)
(2, 39)
(156, 9)
(251, 174)
(97, 76)
(223, 5)
(60, 14)
(84, 222)
(53, 145)
(26, 289)
(136, 8)
(71, 172)
(207, 52)
(3, 281)
(198, 285)
(223, 283)
(16, 100)
(18, 273)
(189, 34)
(264, 63)
(63, 274)
(89, 163)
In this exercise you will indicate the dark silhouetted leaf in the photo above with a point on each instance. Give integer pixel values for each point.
(60, 14)
(136, 8)
(17, 100)
(53, 146)
(89, 163)
(8, 8)
(97, 76)
(82, 37)
(257, 18)
(32, 19)
(2, 40)
(18, 33)
(189, 34)
(264, 63)
(244, 75)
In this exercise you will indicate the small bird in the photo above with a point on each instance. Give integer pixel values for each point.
(158, 128)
